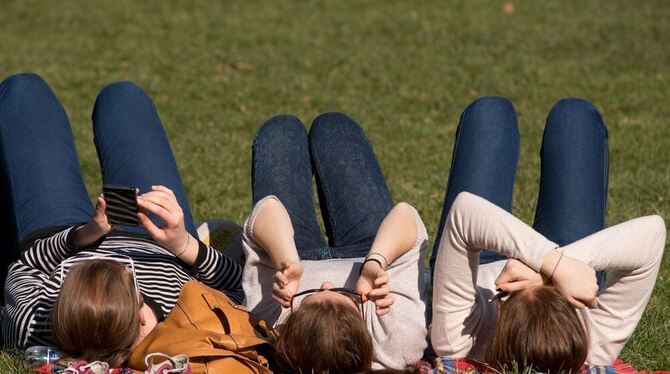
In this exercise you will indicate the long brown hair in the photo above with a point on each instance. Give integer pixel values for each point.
(539, 329)
(96, 314)
(324, 337)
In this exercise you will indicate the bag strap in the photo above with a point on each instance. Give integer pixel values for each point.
(225, 308)
(213, 354)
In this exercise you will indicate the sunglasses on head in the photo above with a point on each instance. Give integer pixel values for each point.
(355, 297)
(121, 260)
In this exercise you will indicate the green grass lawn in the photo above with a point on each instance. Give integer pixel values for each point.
(405, 71)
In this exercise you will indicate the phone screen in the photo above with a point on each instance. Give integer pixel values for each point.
(121, 205)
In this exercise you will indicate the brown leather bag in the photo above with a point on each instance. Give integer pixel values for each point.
(217, 335)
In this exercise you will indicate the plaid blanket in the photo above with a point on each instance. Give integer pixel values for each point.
(442, 365)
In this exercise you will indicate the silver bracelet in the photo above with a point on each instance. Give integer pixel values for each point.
(556, 266)
(188, 240)
(380, 255)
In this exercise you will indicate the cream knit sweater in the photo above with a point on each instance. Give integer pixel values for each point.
(463, 319)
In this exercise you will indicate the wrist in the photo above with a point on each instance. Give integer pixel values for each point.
(88, 234)
(94, 228)
(181, 248)
(376, 257)
(550, 263)
(370, 265)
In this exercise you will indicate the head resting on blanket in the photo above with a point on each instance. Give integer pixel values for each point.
(538, 328)
(97, 313)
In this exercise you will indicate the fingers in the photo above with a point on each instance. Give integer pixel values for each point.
(504, 278)
(281, 295)
(154, 230)
(505, 275)
(101, 204)
(284, 303)
(163, 199)
(576, 303)
(291, 270)
(593, 303)
(162, 188)
(383, 306)
(377, 293)
(513, 286)
(158, 204)
(100, 209)
(381, 281)
(286, 268)
(280, 279)
(385, 302)
(588, 299)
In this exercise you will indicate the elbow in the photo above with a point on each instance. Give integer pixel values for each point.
(659, 232)
(658, 224)
(412, 220)
(463, 199)
(654, 227)
(269, 205)
(404, 208)
(269, 200)
(465, 203)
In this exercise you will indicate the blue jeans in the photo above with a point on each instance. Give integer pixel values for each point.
(41, 183)
(573, 181)
(353, 194)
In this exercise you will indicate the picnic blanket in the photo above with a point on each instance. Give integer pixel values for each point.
(441, 365)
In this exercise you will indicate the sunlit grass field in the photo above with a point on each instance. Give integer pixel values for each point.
(403, 70)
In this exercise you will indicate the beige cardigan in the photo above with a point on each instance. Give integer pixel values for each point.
(463, 319)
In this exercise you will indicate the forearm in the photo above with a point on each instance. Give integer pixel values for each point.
(396, 235)
(628, 247)
(479, 223)
(271, 228)
(218, 271)
(631, 252)
(47, 253)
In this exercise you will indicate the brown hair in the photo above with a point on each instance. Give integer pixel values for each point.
(538, 328)
(96, 314)
(323, 337)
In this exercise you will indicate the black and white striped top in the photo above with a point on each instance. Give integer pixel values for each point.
(33, 281)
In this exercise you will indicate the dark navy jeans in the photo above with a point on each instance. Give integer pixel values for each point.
(353, 195)
(41, 183)
(573, 181)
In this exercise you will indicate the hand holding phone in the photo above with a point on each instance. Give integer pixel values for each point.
(121, 205)
(89, 233)
(171, 233)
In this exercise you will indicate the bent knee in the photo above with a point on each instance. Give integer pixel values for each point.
(490, 104)
(23, 84)
(330, 124)
(281, 126)
(490, 114)
(574, 113)
(120, 90)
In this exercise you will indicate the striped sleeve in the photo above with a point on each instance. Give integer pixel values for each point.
(47, 253)
(27, 306)
(219, 271)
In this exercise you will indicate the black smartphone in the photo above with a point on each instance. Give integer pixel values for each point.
(121, 205)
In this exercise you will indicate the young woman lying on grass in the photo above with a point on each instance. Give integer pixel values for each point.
(99, 289)
(352, 303)
(556, 319)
